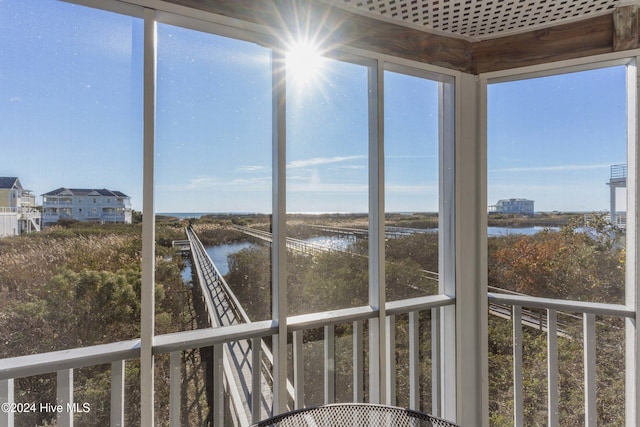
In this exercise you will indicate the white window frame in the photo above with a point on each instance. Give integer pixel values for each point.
(451, 322)
(629, 59)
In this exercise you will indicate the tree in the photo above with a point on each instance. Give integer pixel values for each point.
(562, 264)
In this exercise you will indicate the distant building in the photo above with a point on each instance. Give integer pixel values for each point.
(86, 205)
(18, 213)
(513, 206)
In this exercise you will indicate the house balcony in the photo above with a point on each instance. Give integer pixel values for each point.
(51, 217)
(57, 202)
(112, 217)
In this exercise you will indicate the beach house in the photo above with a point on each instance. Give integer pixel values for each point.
(18, 213)
(81, 204)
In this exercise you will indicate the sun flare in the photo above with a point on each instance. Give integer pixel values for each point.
(304, 62)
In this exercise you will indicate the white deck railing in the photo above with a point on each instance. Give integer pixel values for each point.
(64, 362)
(589, 311)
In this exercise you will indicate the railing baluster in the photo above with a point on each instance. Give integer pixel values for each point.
(175, 388)
(218, 385)
(6, 397)
(391, 359)
(117, 393)
(298, 369)
(436, 366)
(414, 361)
(552, 367)
(589, 337)
(358, 361)
(518, 413)
(64, 397)
(256, 380)
(329, 364)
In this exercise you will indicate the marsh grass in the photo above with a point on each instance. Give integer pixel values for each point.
(28, 262)
(79, 285)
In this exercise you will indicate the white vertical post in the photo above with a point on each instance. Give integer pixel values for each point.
(436, 365)
(390, 370)
(518, 393)
(256, 380)
(148, 226)
(552, 367)
(279, 225)
(445, 364)
(358, 361)
(329, 364)
(218, 385)
(471, 246)
(377, 355)
(632, 294)
(298, 369)
(117, 393)
(414, 361)
(612, 203)
(175, 387)
(6, 397)
(589, 337)
(64, 397)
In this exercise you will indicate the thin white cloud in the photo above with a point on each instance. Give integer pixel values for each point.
(251, 168)
(15, 99)
(553, 168)
(359, 167)
(328, 188)
(410, 189)
(296, 164)
(212, 183)
(411, 156)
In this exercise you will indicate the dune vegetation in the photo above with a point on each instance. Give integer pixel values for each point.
(76, 285)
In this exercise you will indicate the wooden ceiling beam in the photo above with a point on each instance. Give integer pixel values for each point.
(625, 26)
(335, 27)
(578, 39)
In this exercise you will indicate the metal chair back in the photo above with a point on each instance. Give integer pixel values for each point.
(354, 415)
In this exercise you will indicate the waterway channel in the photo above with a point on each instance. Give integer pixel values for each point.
(219, 253)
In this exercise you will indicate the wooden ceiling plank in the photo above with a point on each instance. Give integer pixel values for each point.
(588, 37)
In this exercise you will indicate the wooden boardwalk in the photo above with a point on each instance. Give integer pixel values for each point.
(293, 244)
(241, 375)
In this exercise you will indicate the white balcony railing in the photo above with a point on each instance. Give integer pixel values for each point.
(552, 307)
(63, 202)
(63, 363)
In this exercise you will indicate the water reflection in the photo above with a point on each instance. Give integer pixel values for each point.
(527, 231)
(339, 243)
(220, 253)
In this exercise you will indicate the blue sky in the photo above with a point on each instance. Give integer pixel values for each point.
(554, 139)
(70, 98)
(71, 116)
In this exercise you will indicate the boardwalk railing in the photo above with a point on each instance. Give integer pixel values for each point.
(389, 231)
(293, 244)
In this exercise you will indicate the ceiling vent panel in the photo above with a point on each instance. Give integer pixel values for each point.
(480, 19)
